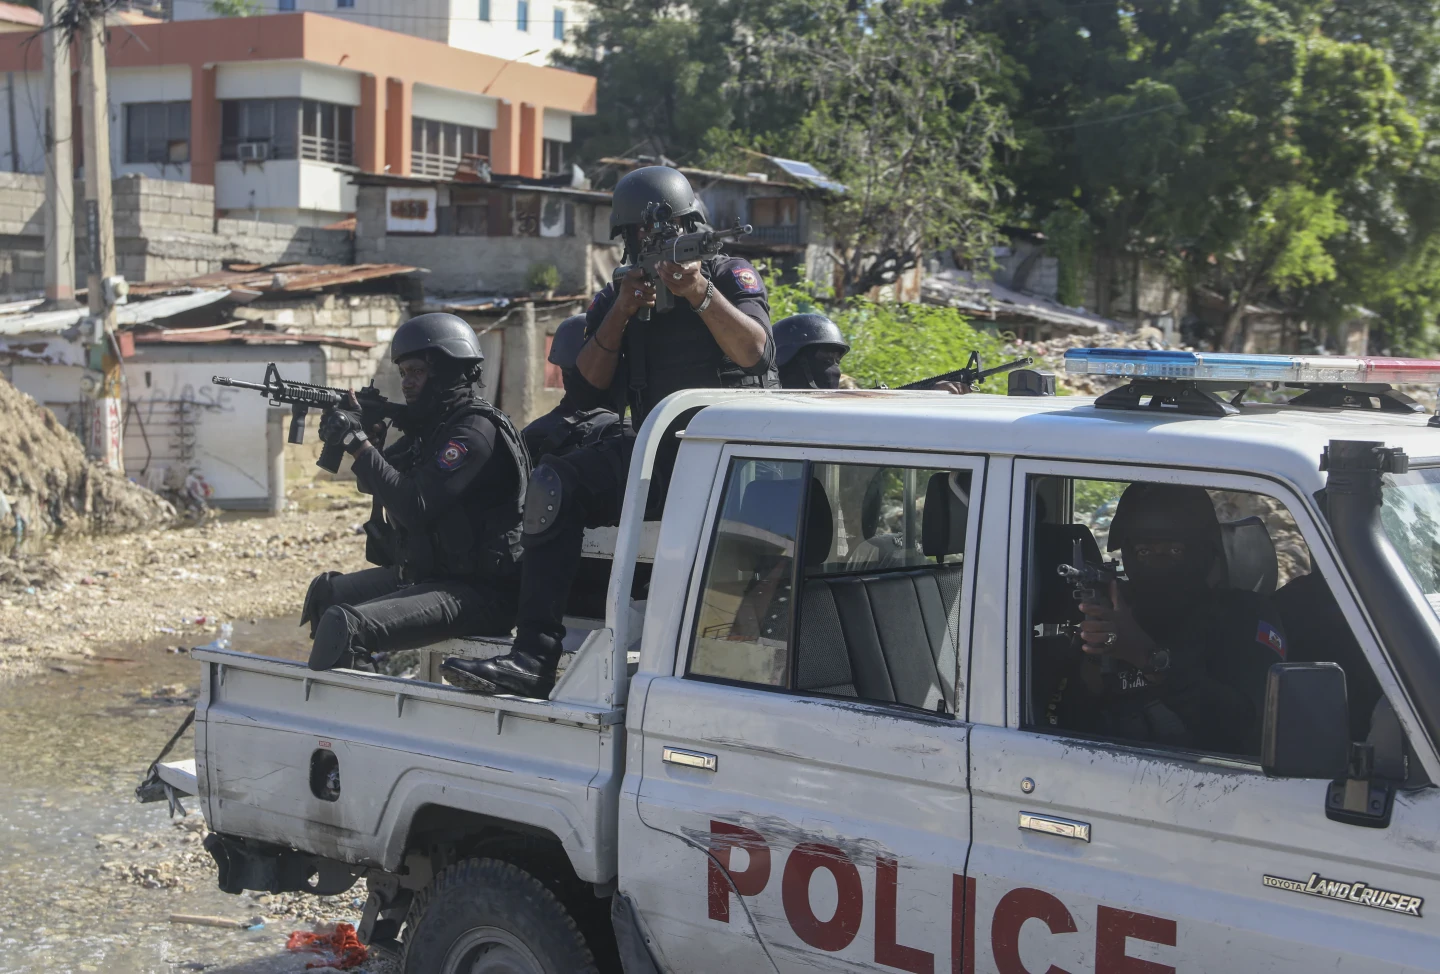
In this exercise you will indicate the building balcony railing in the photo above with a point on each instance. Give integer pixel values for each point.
(326, 150)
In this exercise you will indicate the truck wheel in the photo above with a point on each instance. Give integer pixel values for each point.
(484, 916)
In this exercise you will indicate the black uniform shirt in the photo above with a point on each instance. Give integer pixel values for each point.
(679, 352)
(1212, 698)
(456, 463)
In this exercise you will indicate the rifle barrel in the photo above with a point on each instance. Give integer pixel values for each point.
(221, 380)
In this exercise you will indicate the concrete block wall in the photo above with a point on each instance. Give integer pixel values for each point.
(164, 230)
(364, 317)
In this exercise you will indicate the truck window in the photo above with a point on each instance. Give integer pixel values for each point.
(877, 554)
(1199, 606)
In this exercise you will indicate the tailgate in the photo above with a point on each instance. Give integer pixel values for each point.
(339, 763)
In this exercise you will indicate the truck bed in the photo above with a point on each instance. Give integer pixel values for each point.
(266, 731)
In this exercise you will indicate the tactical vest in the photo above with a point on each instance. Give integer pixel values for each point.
(574, 430)
(723, 373)
(484, 543)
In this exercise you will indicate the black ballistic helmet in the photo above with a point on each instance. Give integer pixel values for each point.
(659, 185)
(1165, 511)
(569, 339)
(801, 331)
(439, 332)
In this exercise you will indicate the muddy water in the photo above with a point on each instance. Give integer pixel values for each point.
(73, 744)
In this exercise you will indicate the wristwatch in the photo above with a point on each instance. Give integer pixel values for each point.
(709, 295)
(1159, 661)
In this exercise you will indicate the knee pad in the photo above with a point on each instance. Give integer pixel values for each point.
(544, 503)
(335, 638)
(317, 599)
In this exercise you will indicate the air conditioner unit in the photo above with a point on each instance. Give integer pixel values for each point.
(252, 151)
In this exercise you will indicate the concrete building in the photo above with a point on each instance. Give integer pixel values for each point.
(485, 238)
(520, 30)
(278, 113)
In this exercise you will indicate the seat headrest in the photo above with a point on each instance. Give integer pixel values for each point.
(1250, 561)
(1055, 546)
(947, 512)
(770, 505)
(819, 525)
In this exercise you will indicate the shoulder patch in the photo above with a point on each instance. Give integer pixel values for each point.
(451, 455)
(1268, 635)
(747, 280)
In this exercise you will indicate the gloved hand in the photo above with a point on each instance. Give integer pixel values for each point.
(338, 423)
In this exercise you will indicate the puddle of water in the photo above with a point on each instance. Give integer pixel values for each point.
(75, 747)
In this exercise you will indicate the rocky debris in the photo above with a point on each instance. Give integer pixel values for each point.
(48, 488)
(180, 585)
(1050, 355)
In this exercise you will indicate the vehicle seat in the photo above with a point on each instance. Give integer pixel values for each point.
(1316, 631)
(1250, 555)
(889, 636)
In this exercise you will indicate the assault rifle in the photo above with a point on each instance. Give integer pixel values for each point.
(667, 240)
(1090, 581)
(971, 375)
(302, 397)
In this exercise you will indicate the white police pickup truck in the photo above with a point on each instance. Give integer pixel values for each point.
(817, 733)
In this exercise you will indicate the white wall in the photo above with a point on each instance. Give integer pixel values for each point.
(325, 188)
(446, 105)
(288, 190)
(420, 18)
(287, 79)
(29, 101)
(557, 125)
(501, 36)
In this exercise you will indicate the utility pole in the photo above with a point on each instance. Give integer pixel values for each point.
(59, 166)
(103, 379)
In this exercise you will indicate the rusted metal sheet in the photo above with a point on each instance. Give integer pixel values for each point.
(280, 277)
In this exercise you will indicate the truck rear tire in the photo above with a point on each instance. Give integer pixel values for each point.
(485, 916)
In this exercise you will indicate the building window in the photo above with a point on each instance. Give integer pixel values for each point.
(437, 148)
(484, 9)
(554, 157)
(522, 14)
(776, 220)
(559, 24)
(285, 5)
(345, 4)
(256, 129)
(157, 131)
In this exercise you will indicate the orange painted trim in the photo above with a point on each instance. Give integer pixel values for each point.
(330, 41)
(398, 99)
(370, 125)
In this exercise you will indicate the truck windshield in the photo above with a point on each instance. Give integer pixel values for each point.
(1411, 517)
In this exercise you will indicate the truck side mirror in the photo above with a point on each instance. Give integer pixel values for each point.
(1306, 733)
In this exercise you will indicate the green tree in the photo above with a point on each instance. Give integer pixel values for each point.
(235, 8)
(896, 106)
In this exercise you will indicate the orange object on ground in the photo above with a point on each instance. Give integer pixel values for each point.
(345, 948)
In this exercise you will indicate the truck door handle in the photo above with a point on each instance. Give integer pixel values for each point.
(1049, 825)
(689, 759)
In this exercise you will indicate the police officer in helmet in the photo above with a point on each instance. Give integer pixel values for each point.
(1188, 656)
(716, 336)
(445, 532)
(581, 415)
(808, 350)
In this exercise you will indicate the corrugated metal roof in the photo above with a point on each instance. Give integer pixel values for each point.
(138, 313)
(281, 277)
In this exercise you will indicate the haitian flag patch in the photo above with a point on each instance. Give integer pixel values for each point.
(1268, 635)
(451, 455)
(748, 280)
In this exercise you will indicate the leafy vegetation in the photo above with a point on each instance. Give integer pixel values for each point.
(897, 343)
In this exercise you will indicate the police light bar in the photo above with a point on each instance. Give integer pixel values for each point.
(1229, 367)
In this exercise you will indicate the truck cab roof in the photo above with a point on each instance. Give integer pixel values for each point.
(1273, 440)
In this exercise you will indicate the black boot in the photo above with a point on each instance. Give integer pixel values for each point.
(525, 671)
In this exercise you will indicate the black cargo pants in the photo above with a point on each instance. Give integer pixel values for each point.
(361, 613)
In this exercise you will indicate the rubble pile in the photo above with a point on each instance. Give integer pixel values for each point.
(48, 488)
(177, 585)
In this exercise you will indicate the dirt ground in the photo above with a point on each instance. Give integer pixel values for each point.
(60, 608)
